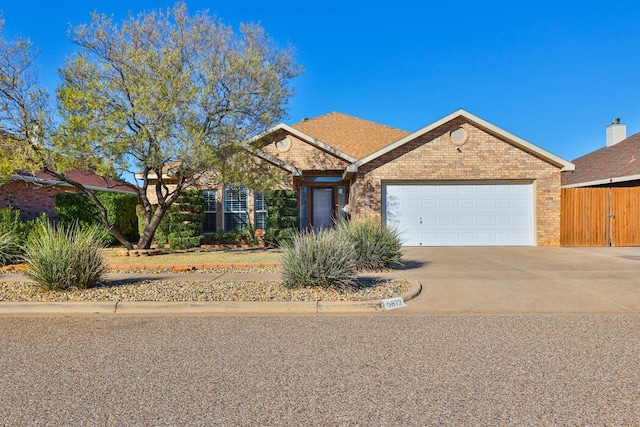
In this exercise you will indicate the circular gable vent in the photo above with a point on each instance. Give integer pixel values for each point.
(458, 136)
(283, 145)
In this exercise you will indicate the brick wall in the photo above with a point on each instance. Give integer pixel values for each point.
(208, 181)
(483, 157)
(31, 199)
(305, 156)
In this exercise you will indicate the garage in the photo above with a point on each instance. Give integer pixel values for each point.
(461, 214)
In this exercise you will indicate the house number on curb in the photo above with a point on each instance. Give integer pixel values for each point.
(391, 303)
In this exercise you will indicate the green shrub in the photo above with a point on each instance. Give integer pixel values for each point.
(72, 208)
(9, 249)
(322, 259)
(10, 224)
(185, 220)
(182, 243)
(121, 211)
(64, 257)
(282, 220)
(14, 234)
(376, 247)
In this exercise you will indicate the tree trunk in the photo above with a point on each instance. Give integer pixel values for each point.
(104, 216)
(151, 223)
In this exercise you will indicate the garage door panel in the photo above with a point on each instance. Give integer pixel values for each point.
(503, 204)
(484, 221)
(466, 221)
(429, 204)
(461, 215)
(503, 221)
(485, 239)
(521, 220)
(484, 204)
(447, 204)
(466, 204)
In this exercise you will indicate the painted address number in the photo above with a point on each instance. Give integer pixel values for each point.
(391, 303)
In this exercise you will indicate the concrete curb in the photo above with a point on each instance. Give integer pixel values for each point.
(67, 307)
(194, 307)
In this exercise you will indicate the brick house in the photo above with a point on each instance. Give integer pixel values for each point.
(34, 194)
(617, 164)
(459, 181)
(601, 197)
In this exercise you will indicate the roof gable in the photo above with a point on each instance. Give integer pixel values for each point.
(350, 135)
(509, 137)
(617, 163)
(276, 130)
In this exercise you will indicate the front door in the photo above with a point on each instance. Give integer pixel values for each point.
(322, 206)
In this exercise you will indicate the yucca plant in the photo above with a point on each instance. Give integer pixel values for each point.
(9, 248)
(65, 257)
(376, 246)
(322, 259)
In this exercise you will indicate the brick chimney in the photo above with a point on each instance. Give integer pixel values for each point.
(616, 132)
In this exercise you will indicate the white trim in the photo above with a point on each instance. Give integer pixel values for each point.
(566, 165)
(271, 159)
(311, 140)
(169, 173)
(603, 181)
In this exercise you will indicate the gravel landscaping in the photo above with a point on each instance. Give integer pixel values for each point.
(183, 289)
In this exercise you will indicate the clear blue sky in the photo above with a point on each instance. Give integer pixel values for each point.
(552, 72)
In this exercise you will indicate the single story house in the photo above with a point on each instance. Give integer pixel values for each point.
(35, 193)
(459, 181)
(617, 164)
(601, 197)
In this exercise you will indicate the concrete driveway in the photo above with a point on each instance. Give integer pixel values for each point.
(523, 280)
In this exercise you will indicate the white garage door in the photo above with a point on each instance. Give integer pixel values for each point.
(461, 214)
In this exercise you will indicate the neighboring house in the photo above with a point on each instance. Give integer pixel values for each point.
(34, 194)
(459, 181)
(601, 197)
(615, 165)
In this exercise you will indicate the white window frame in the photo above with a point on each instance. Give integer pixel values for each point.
(210, 208)
(260, 210)
(234, 205)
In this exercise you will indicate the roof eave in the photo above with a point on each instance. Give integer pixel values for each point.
(45, 181)
(272, 159)
(308, 138)
(603, 181)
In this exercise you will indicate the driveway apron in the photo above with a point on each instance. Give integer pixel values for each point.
(523, 280)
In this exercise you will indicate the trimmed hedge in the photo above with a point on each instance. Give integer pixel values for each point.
(121, 210)
(185, 220)
(282, 220)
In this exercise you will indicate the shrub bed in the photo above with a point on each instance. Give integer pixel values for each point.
(318, 259)
(65, 257)
(375, 246)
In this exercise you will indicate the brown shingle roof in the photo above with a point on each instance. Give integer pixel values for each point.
(621, 159)
(350, 135)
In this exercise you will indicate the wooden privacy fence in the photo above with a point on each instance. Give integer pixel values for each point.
(600, 217)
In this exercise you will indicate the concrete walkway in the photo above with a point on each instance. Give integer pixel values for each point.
(503, 280)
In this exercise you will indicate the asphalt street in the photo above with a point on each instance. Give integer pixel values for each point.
(544, 369)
